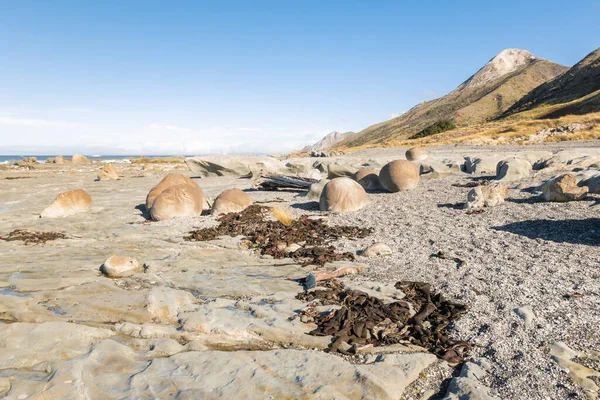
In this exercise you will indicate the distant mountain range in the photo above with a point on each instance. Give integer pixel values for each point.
(328, 141)
(514, 84)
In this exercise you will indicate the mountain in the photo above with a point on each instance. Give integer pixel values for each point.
(577, 91)
(328, 141)
(504, 80)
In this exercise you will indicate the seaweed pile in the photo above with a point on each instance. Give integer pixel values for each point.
(274, 238)
(367, 320)
(32, 237)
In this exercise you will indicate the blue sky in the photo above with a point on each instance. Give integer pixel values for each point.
(157, 77)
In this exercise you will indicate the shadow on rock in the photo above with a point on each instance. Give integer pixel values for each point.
(577, 231)
(144, 211)
(308, 206)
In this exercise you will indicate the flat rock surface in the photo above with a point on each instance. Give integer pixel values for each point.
(199, 315)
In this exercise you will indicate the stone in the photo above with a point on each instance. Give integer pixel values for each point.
(432, 169)
(56, 160)
(312, 174)
(399, 175)
(468, 385)
(79, 159)
(343, 195)
(120, 266)
(68, 203)
(175, 196)
(30, 346)
(315, 190)
(486, 196)
(108, 172)
(563, 188)
(563, 355)
(278, 374)
(377, 249)
(526, 314)
(211, 166)
(231, 200)
(482, 165)
(165, 304)
(367, 178)
(339, 171)
(513, 169)
(416, 154)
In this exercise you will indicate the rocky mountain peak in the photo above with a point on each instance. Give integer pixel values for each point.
(505, 62)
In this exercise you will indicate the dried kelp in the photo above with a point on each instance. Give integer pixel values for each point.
(32, 237)
(421, 318)
(272, 237)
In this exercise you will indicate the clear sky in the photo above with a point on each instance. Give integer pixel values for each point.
(193, 77)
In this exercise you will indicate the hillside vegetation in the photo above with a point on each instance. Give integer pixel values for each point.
(574, 92)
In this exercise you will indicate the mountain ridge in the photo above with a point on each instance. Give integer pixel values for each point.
(501, 82)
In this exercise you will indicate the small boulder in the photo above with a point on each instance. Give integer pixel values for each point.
(563, 188)
(367, 178)
(68, 203)
(399, 175)
(481, 165)
(315, 190)
(120, 266)
(377, 249)
(339, 171)
(513, 169)
(231, 200)
(342, 195)
(416, 154)
(79, 159)
(175, 196)
(108, 172)
(56, 160)
(486, 196)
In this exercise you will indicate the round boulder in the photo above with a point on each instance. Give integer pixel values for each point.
(399, 175)
(108, 172)
(175, 196)
(230, 201)
(367, 178)
(171, 179)
(79, 159)
(68, 203)
(120, 266)
(416, 154)
(342, 195)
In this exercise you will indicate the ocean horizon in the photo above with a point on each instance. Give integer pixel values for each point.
(5, 159)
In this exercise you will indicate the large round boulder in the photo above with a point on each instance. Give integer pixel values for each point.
(416, 154)
(68, 203)
(79, 159)
(231, 200)
(175, 196)
(171, 179)
(367, 178)
(399, 175)
(342, 195)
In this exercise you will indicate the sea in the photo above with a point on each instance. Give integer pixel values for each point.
(42, 158)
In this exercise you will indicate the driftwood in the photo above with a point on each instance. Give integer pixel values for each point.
(325, 275)
(311, 280)
(274, 182)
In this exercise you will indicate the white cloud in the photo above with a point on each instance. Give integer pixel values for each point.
(167, 127)
(34, 123)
